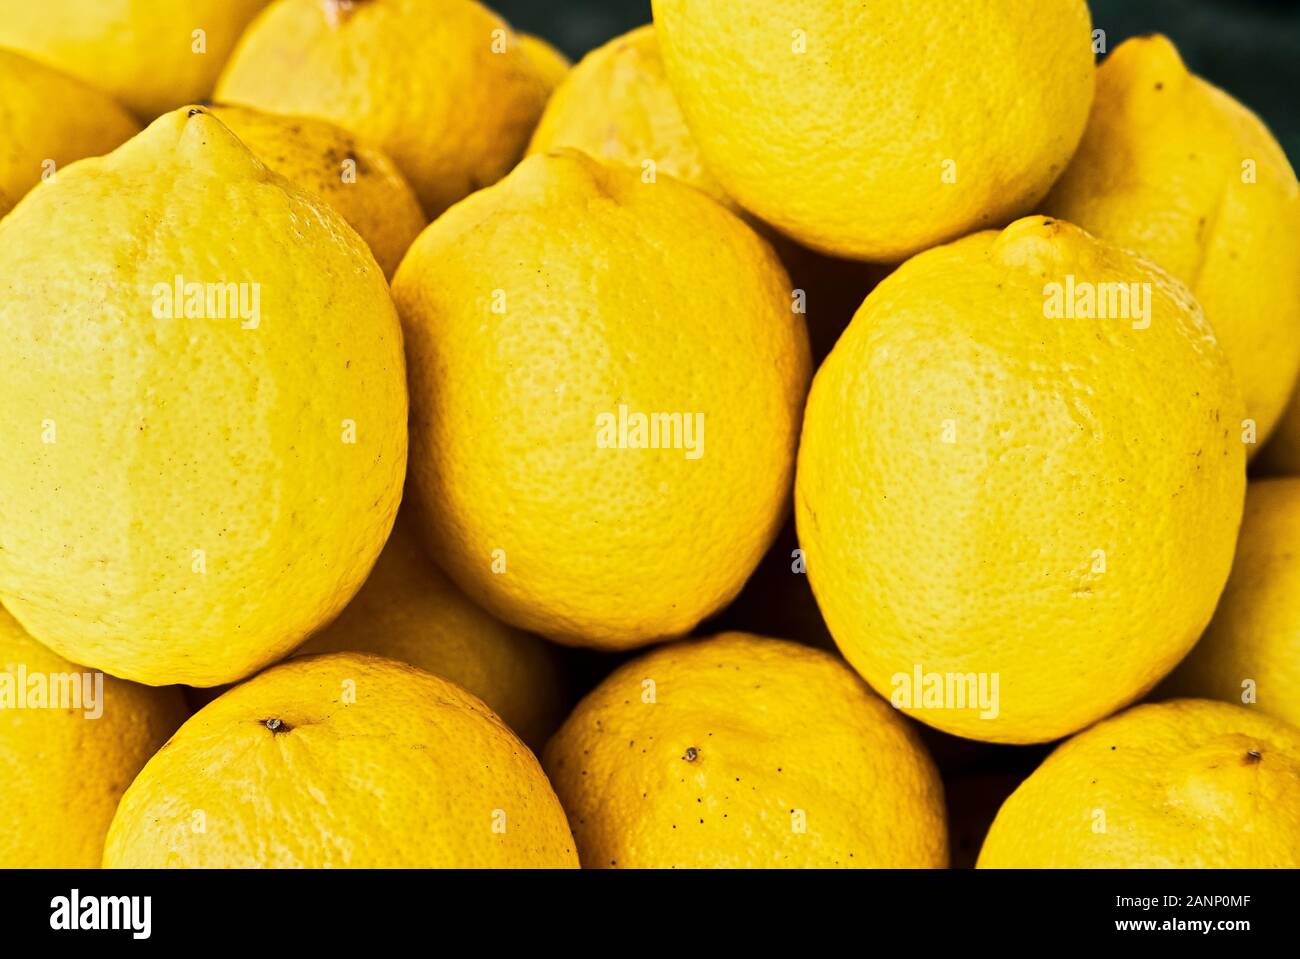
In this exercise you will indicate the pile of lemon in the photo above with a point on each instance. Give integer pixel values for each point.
(269, 271)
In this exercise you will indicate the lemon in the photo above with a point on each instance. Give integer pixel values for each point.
(1188, 784)
(47, 120)
(1177, 170)
(152, 55)
(616, 105)
(1017, 518)
(550, 63)
(408, 610)
(193, 482)
(1251, 651)
(342, 760)
(444, 87)
(867, 131)
(741, 751)
(70, 743)
(606, 385)
(357, 180)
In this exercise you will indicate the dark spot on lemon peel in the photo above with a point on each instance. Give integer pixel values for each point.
(1253, 755)
(276, 725)
(691, 754)
(194, 111)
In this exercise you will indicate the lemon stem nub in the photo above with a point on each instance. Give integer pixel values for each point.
(276, 725)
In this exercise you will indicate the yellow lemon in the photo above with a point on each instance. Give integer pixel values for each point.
(357, 180)
(1188, 784)
(444, 87)
(205, 415)
(1177, 170)
(863, 130)
(152, 55)
(342, 760)
(49, 119)
(741, 751)
(606, 381)
(550, 63)
(616, 105)
(1018, 510)
(408, 610)
(71, 741)
(1251, 651)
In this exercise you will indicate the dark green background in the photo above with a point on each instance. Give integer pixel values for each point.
(1251, 48)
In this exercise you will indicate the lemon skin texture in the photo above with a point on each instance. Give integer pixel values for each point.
(815, 117)
(46, 115)
(408, 610)
(1051, 503)
(357, 180)
(1177, 170)
(533, 312)
(741, 751)
(552, 65)
(420, 79)
(145, 53)
(1251, 651)
(190, 490)
(342, 760)
(616, 105)
(62, 772)
(1187, 784)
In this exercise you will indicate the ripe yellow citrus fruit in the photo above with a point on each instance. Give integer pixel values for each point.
(1177, 170)
(550, 63)
(741, 751)
(1251, 651)
(606, 381)
(616, 105)
(444, 87)
(408, 610)
(1188, 784)
(357, 180)
(342, 760)
(205, 410)
(1017, 509)
(71, 741)
(152, 55)
(818, 117)
(49, 119)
